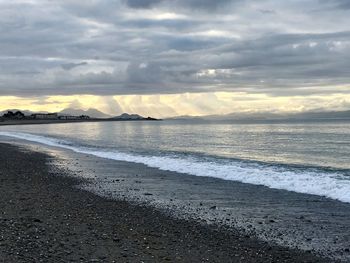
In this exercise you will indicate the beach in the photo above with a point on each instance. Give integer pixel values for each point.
(175, 131)
(46, 218)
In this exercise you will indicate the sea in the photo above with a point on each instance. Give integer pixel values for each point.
(306, 157)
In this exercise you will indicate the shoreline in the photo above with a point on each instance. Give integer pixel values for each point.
(38, 122)
(46, 217)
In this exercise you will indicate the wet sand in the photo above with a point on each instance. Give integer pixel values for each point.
(46, 218)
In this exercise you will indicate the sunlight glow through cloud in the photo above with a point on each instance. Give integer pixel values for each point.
(195, 104)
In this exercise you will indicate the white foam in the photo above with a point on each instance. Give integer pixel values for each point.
(332, 185)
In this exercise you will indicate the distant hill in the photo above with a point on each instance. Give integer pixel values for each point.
(186, 117)
(268, 116)
(126, 116)
(93, 113)
(323, 115)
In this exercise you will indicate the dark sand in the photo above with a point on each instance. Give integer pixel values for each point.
(44, 218)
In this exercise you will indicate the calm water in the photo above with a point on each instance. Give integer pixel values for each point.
(308, 158)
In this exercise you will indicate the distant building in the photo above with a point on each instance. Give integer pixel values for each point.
(67, 117)
(84, 117)
(43, 116)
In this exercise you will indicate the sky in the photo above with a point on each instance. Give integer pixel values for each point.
(175, 57)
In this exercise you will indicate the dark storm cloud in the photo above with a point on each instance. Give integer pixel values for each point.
(159, 46)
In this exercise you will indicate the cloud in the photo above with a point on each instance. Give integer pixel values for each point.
(207, 4)
(142, 3)
(75, 104)
(267, 11)
(168, 47)
(341, 4)
(70, 66)
(192, 4)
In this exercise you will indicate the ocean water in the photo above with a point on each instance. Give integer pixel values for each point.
(311, 158)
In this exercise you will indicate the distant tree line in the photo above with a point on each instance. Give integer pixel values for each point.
(18, 115)
(13, 115)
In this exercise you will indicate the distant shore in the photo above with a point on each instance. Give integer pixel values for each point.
(31, 122)
(45, 218)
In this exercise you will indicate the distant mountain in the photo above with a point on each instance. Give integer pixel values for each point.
(323, 115)
(133, 117)
(93, 113)
(186, 117)
(268, 116)
(126, 116)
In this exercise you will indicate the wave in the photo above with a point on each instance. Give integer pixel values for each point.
(334, 185)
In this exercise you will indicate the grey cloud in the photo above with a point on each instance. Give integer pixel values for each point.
(70, 66)
(144, 73)
(267, 11)
(142, 3)
(165, 23)
(23, 72)
(192, 4)
(344, 4)
(341, 4)
(124, 48)
(207, 4)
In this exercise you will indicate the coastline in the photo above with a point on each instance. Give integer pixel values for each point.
(38, 122)
(45, 216)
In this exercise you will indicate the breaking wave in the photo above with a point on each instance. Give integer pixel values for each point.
(332, 184)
